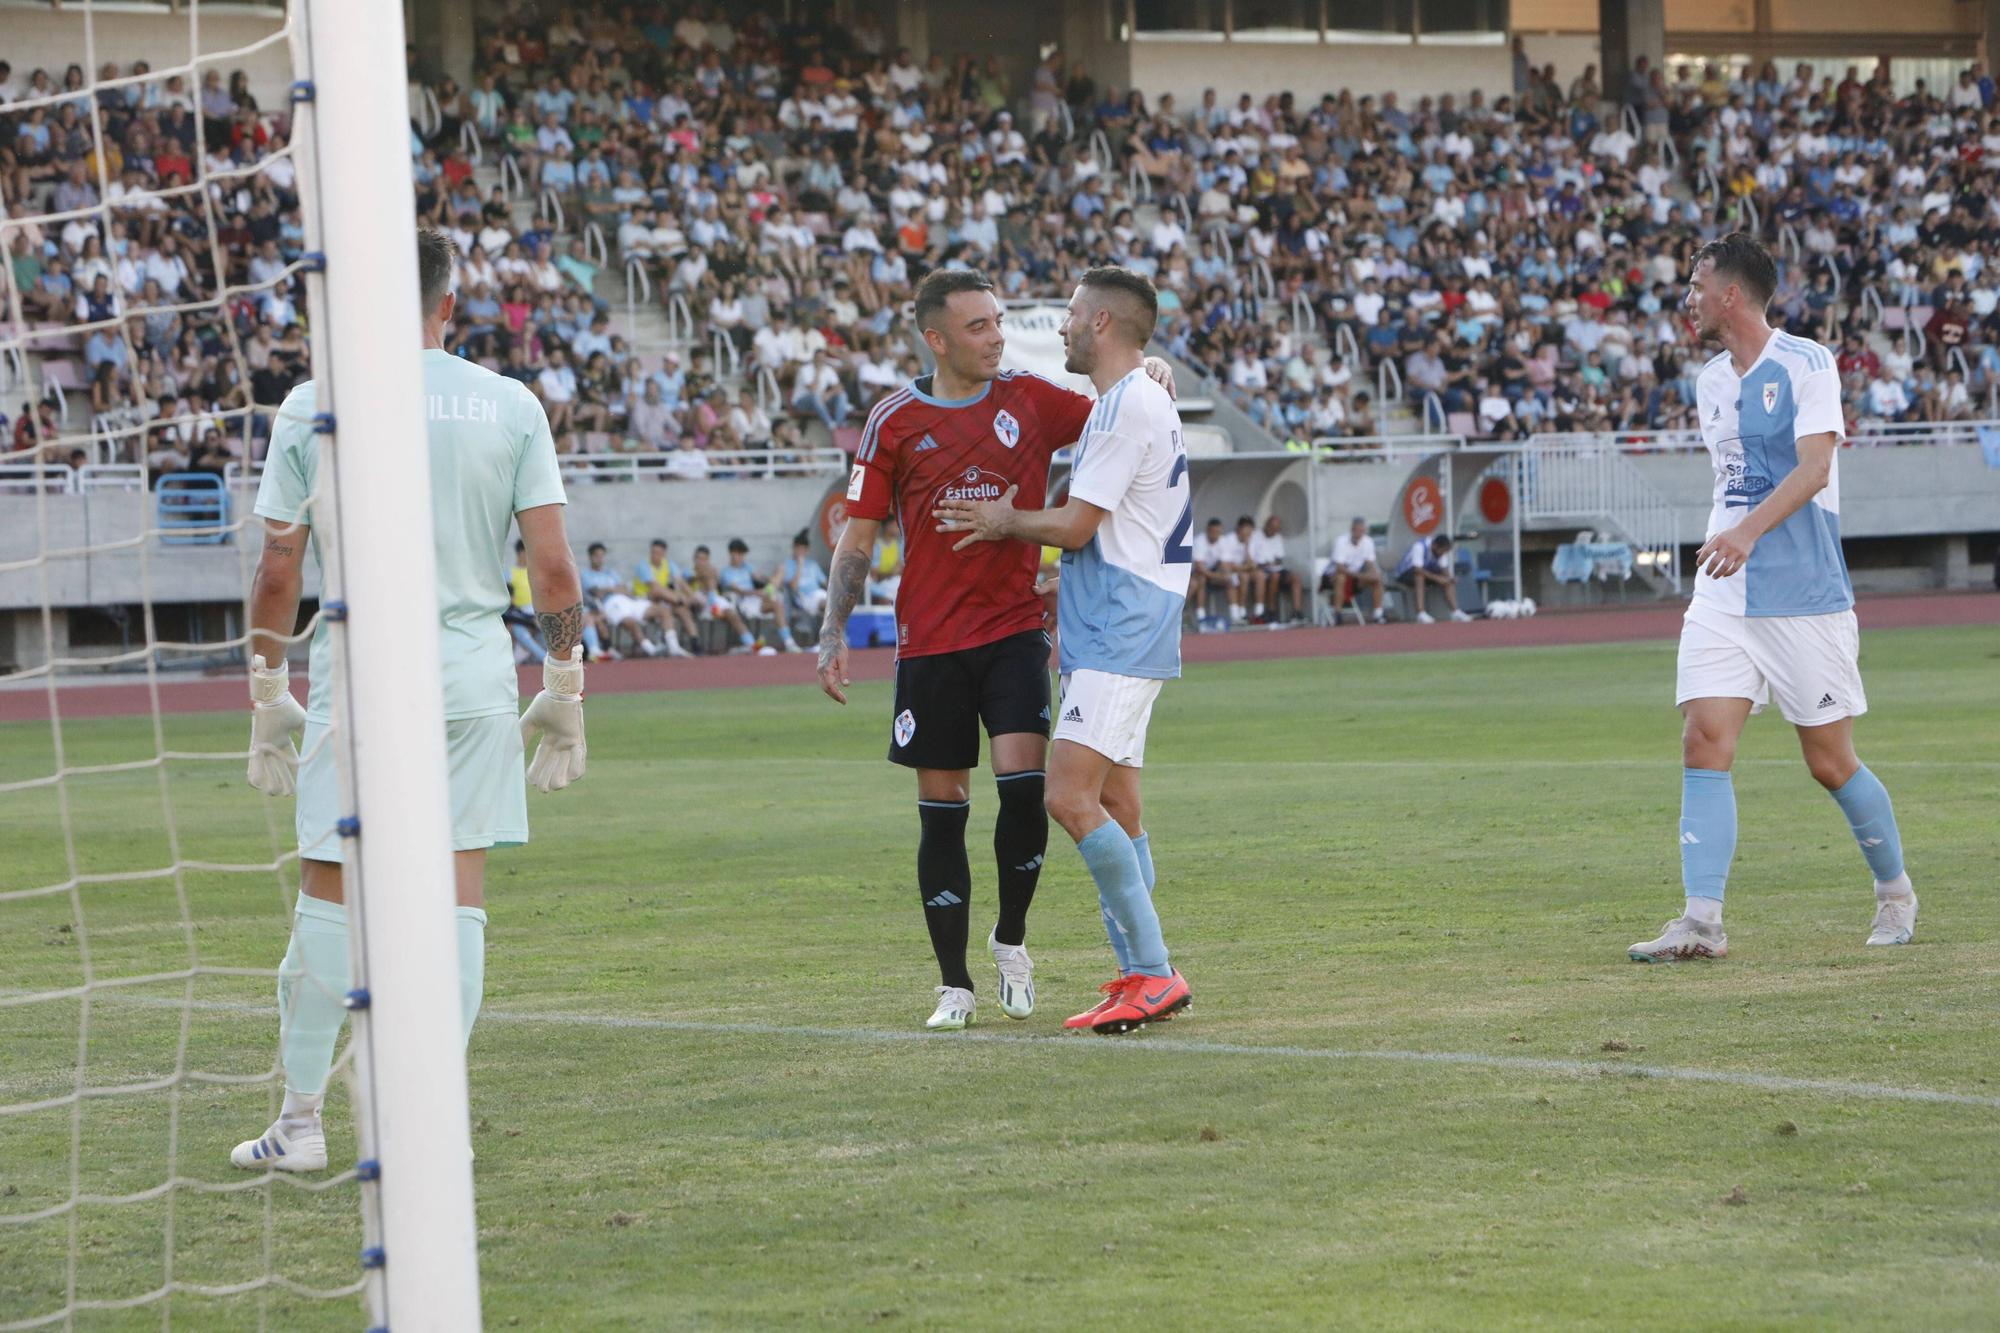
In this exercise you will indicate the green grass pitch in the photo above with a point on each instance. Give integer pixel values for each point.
(702, 1101)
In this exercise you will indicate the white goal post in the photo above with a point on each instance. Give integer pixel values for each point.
(410, 1104)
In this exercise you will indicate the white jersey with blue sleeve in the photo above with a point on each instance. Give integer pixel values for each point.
(1120, 609)
(1752, 425)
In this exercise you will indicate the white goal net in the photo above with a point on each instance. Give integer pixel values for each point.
(172, 270)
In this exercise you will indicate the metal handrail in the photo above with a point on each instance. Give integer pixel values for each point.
(1839, 283)
(511, 181)
(1669, 154)
(1913, 332)
(470, 144)
(1956, 356)
(1870, 298)
(595, 247)
(1219, 233)
(1139, 183)
(57, 477)
(430, 115)
(1629, 118)
(1100, 151)
(1345, 344)
(770, 394)
(1431, 400)
(1304, 318)
(1789, 248)
(1068, 119)
(1756, 215)
(548, 207)
(1337, 448)
(1263, 286)
(722, 349)
(1388, 381)
(654, 463)
(680, 319)
(638, 291)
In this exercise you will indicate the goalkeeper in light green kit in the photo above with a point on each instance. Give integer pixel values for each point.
(492, 463)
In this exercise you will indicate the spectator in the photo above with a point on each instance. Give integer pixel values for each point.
(716, 601)
(1211, 571)
(671, 596)
(755, 598)
(1234, 550)
(1267, 554)
(818, 391)
(1430, 561)
(1353, 569)
(803, 580)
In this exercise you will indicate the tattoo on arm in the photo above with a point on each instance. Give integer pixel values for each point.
(562, 630)
(843, 589)
(278, 548)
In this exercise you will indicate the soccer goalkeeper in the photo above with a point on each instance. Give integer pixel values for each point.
(492, 463)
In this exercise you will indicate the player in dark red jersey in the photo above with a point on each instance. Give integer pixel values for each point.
(970, 647)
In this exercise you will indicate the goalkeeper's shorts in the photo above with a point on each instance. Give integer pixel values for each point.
(489, 788)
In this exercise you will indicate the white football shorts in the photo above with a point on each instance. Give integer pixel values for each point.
(1810, 663)
(1107, 713)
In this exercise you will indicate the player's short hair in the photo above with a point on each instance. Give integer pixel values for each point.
(659, 541)
(1441, 543)
(737, 544)
(1743, 259)
(1141, 304)
(437, 256)
(1215, 522)
(800, 538)
(594, 548)
(939, 286)
(1245, 518)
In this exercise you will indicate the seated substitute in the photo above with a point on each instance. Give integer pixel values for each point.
(1429, 560)
(1353, 569)
(1267, 553)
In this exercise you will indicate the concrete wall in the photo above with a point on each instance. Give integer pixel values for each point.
(53, 39)
(1184, 68)
(625, 516)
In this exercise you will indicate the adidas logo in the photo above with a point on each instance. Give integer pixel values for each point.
(1871, 842)
(1826, 701)
(945, 899)
(1035, 864)
(1045, 714)
(1073, 715)
(926, 443)
(1716, 415)
(1691, 839)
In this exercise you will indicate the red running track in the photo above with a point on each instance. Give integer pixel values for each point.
(124, 698)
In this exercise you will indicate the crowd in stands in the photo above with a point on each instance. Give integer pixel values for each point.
(1516, 252)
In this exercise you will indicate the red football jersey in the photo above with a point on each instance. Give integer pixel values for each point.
(917, 450)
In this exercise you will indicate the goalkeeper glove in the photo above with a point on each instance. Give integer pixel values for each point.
(556, 714)
(274, 716)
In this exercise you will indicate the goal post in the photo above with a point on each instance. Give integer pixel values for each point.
(411, 1112)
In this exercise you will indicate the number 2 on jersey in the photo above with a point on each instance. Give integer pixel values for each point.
(1180, 551)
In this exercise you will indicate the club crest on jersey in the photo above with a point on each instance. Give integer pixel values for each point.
(1771, 397)
(1008, 429)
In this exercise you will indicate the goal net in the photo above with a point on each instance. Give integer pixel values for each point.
(204, 209)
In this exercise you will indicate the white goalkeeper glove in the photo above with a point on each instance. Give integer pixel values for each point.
(274, 717)
(556, 714)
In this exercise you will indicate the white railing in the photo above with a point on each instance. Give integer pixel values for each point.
(1434, 413)
(1629, 118)
(1913, 332)
(548, 207)
(770, 394)
(512, 183)
(427, 113)
(1100, 152)
(1217, 232)
(13, 367)
(638, 292)
(1595, 483)
(1375, 448)
(1752, 215)
(27, 478)
(111, 477)
(1187, 214)
(1068, 120)
(595, 248)
(1388, 381)
(1705, 182)
(1839, 284)
(1870, 304)
(54, 385)
(1670, 155)
(1789, 248)
(680, 320)
(1956, 357)
(1304, 318)
(681, 464)
(1345, 345)
(1263, 286)
(722, 350)
(470, 144)
(1139, 183)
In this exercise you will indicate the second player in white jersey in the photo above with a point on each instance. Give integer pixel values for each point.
(1120, 610)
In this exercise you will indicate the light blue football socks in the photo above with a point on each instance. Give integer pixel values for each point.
(471, 965)
(1708, 831)
(1865, 802)
(1143, 845)
(1121, 891)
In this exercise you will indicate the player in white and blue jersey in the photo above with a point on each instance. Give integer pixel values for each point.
(1125, 535)
(1773, 612)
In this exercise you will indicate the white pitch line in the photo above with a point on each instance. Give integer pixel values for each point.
(1158, 1045)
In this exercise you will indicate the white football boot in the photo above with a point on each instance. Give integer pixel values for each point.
(954, 1010)
(1895, 920)
(295, 1145)
(1682, 938)
(1017, 978)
